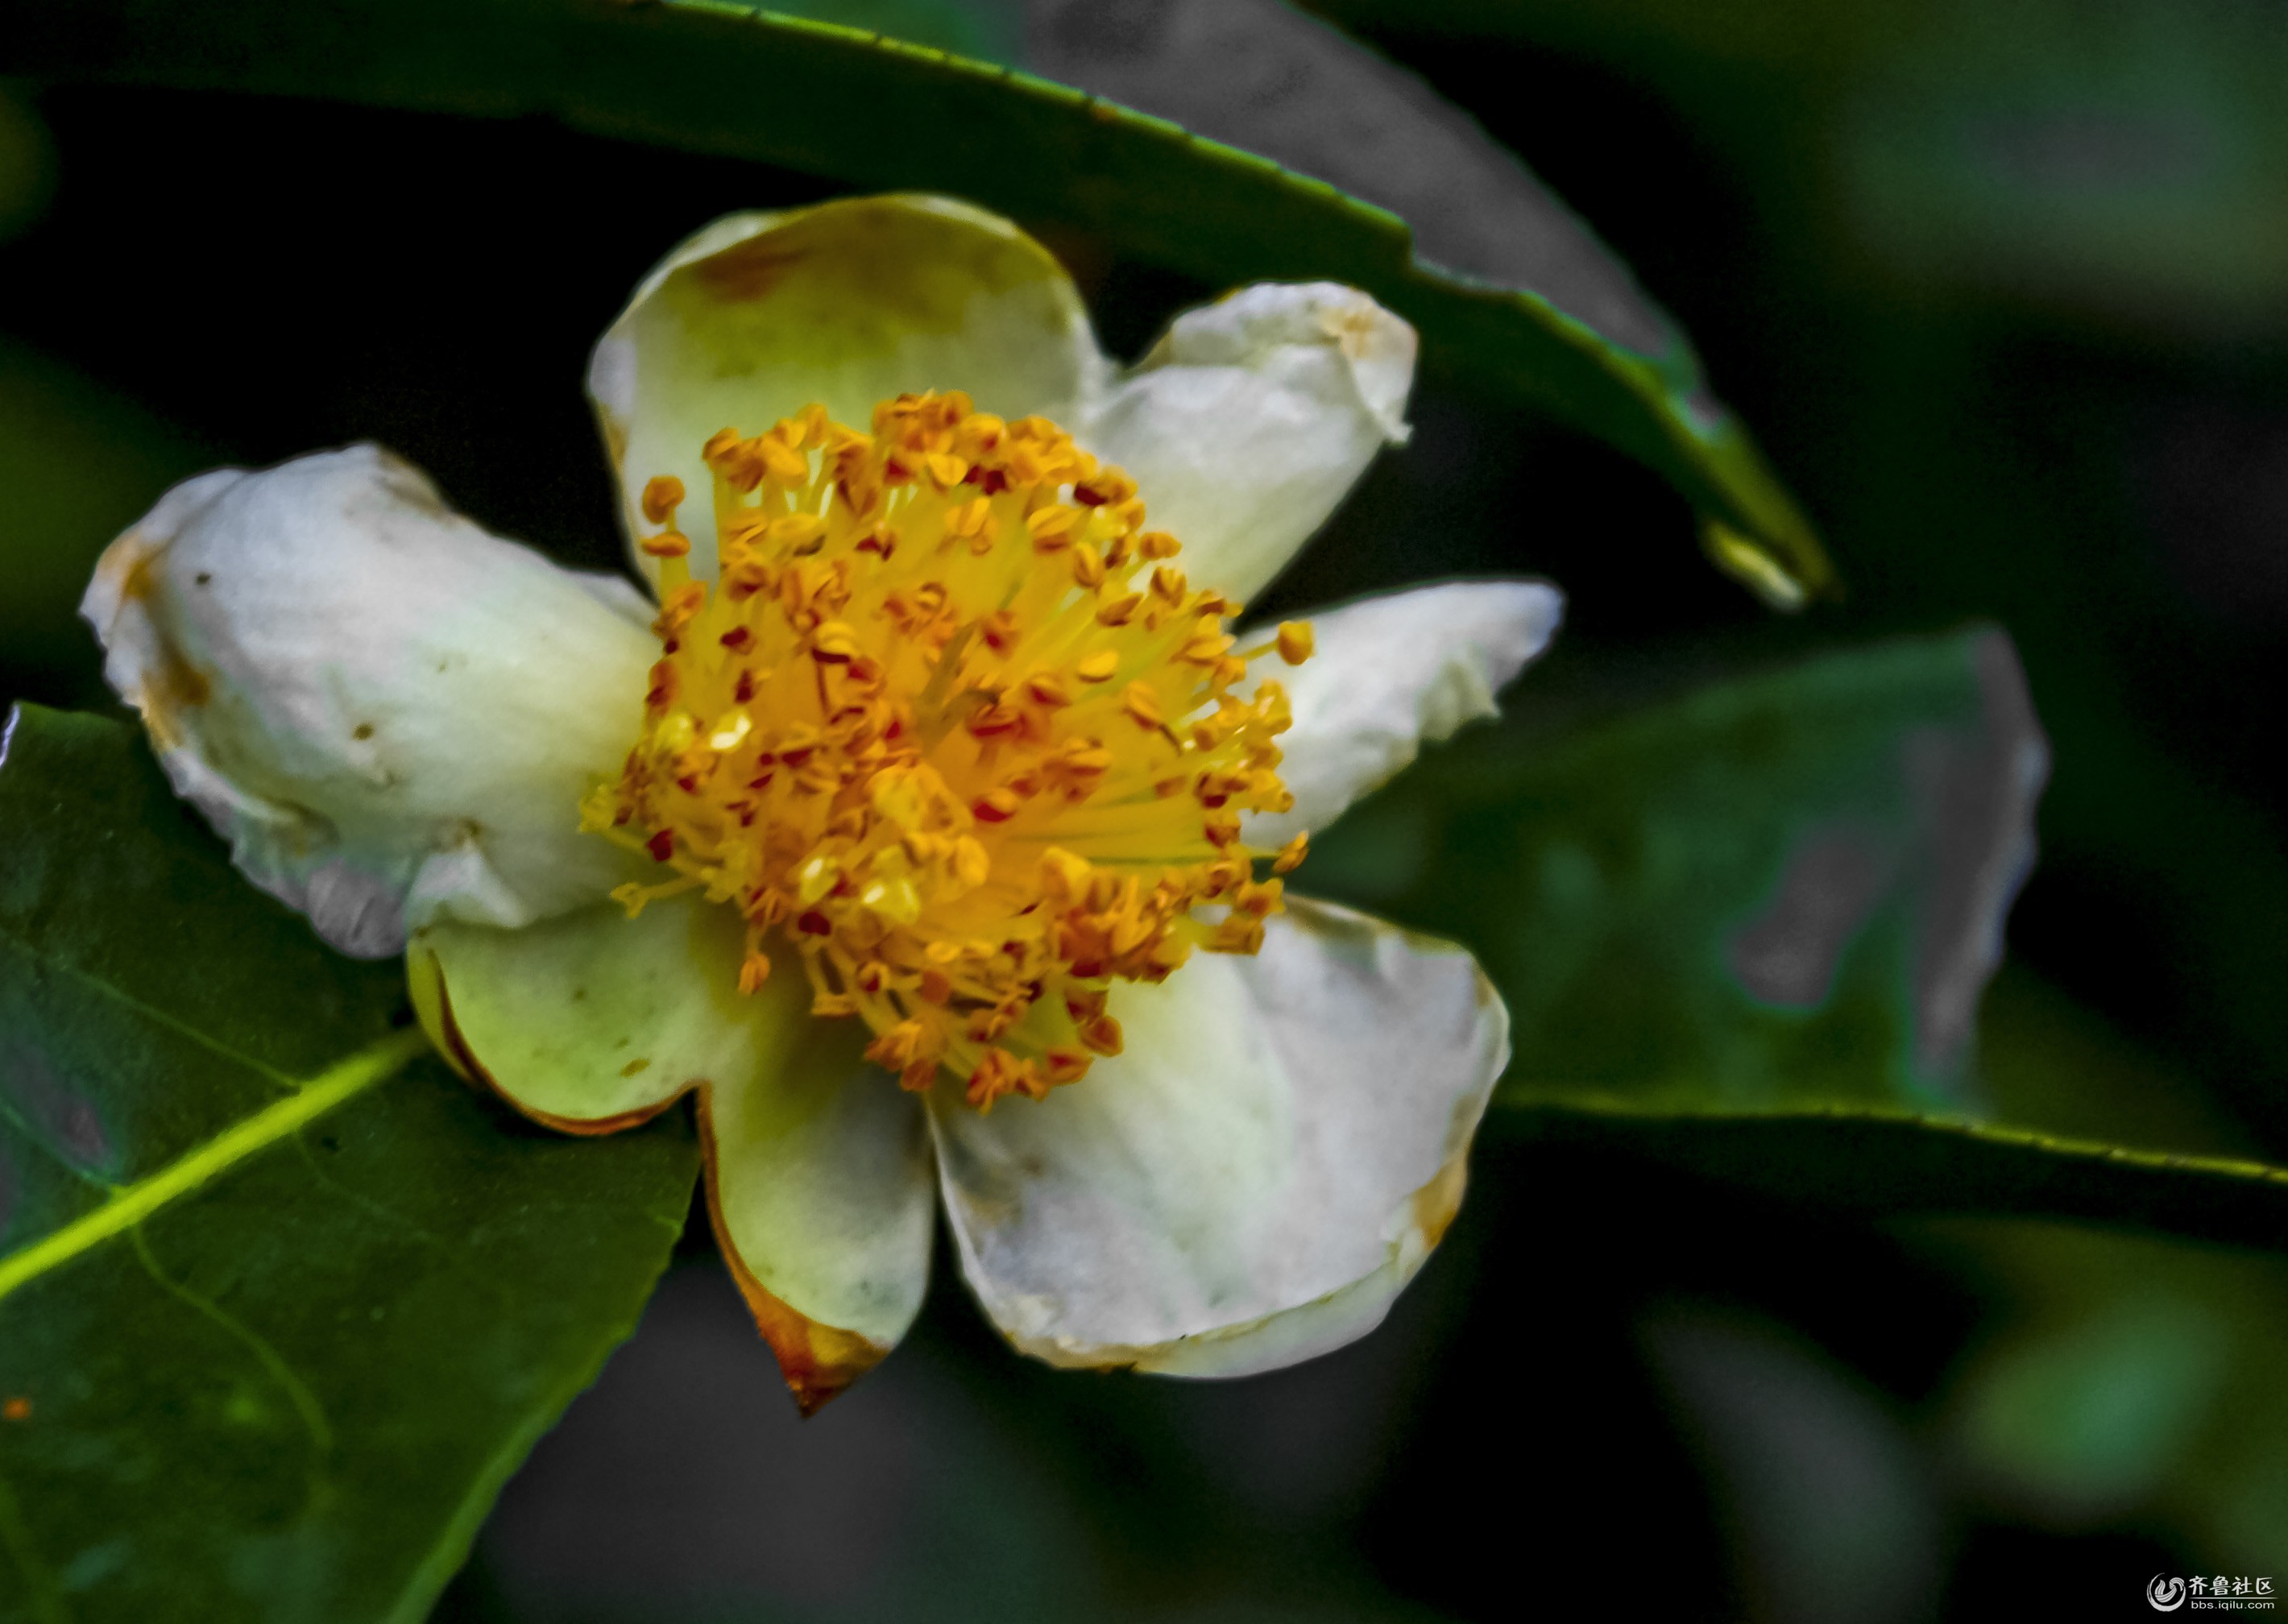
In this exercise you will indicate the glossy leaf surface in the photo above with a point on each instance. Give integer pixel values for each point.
(281, 1302)
(877, 113)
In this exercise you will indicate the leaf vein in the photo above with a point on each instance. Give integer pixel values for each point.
(151, 1012)
(298, 1392)
(47, 1601)
(131, 1204)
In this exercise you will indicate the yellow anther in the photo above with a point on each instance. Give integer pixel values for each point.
(1064, 875)
(779, 460)
(677, 609)
(666, 544)
(995, 805)
(900, 1047)
(1052, 528)
(815, 878)
(897, 795)
(1239, 933)
(1261, 901)
(1143, 707)
(661, 497)
(972, 520)
(1291, 855)
(1296, 641)
(1063, 1065)
(896, 900)
(798, 534)
(953, 731)
(1207, 648)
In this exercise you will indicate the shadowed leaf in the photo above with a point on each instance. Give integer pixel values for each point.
(712, 78)
(282, 1302)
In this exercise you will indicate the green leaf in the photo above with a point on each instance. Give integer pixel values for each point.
(1261, 75)
(1743, 936)
(1887, 1164)
(2120, 1381)
(2117, 161)
(713, 78)
(1777, 893)
(282, 1303)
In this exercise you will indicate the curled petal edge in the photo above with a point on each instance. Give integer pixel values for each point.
(817, 1361)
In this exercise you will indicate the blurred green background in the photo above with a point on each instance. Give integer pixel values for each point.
(2004, 294)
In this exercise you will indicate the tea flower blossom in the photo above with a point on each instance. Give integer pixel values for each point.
(927, 821)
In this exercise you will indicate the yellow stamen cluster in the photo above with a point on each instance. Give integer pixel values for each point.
(952, 723)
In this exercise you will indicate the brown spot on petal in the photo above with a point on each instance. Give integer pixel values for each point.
(128, 561)
(749, 272)
(173, 686)
(1436, 1203)
(818, 1361)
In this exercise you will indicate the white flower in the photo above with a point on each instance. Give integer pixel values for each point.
(929, 734)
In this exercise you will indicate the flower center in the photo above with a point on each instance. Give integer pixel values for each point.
(953, 726)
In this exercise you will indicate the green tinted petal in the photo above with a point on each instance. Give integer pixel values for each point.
(844, 305)
(592, 1021)
(819, 1183)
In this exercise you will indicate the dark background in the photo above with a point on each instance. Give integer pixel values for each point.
(2002, 308)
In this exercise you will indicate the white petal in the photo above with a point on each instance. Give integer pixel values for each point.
(1255, 1178)
(819, 1181)
(591, 1021)
(1249, 420)
(389, 714)
(847, 304)
(1390, 672)
(818, 1166)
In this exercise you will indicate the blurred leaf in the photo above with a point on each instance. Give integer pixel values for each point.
(2122, 1378)
(2126, 159)
(1887, 1164)
(282, 1302)
(1265, 77)
(80, 464)
(2119, 158)
(1833, 1517)
(26, 163)
(1779, 891)
(710, 78)
(1744, 935)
